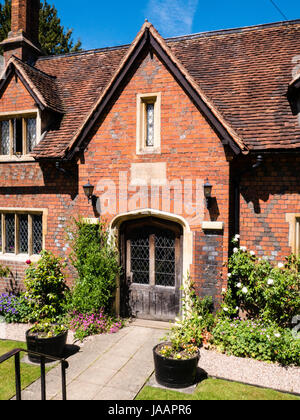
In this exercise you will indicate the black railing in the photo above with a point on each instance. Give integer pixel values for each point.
(43, 357)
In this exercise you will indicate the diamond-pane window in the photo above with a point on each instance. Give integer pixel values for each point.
(10, 233)
(37, 234)
(150, 125)
(5, 138)
(18, 135)
(31, 134)
(23, 233)
(165, 260)
(140, 260)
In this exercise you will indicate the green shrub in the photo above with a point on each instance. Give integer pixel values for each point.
(261, 289)
(46, 289)
(254, 339)
(14, 308)
(95, 259)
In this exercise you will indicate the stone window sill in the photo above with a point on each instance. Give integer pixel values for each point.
(21, 258)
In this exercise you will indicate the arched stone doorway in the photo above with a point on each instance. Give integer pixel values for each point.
(151, 257)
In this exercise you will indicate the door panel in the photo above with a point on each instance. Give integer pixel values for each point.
(153, 274)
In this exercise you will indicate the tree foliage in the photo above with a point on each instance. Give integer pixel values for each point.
(53, 37)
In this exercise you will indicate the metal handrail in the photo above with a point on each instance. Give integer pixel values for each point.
(16, 354)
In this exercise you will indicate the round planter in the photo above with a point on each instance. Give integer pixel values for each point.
(53, 346)
(175, 373)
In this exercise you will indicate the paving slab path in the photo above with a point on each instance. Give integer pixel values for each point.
(107, 367)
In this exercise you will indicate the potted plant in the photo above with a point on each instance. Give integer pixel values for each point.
(176, 360)
(176, 364)
(46, 292)
(46, 338)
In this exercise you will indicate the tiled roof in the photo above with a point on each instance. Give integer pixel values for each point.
(243, 73)
(246, 73)
(81, 78)
(42, 85)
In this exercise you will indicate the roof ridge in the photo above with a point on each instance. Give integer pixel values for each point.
(91, 51)
(234, 30)
(34, 68)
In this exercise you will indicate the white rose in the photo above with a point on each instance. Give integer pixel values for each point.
(243, 248)
(229, 275)
(277, 335)
(225, 309)
(252, 253)
(237, 237)
(280, 265)
(270, 282)
(223, 290)
(239, 285)
(235, 250)
(244, 290)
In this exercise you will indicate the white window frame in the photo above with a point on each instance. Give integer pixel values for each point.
(20, 211)
(141, 123)
(9, 116)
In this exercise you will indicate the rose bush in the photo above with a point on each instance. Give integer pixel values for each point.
(262, 289)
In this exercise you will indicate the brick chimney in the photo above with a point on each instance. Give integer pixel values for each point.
(23, 39)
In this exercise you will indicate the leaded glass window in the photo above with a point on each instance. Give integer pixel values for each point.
(165, 260)
(10, 233)
(31, 134)
(5, 138)
(37, 233)
(150, 124)
(153, 258)
(21, 233)
(140, 260)
(18, 135)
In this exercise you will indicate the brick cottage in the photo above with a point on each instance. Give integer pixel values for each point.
(187, 141)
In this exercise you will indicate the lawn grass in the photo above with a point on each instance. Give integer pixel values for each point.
(29, 373)
(215, 389)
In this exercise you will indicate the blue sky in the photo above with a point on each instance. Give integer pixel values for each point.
(101, 23)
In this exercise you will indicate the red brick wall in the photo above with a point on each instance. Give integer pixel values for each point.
(16, 97)
(189, 147)
(266, 197)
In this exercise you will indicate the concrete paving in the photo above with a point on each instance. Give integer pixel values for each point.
(107, 367)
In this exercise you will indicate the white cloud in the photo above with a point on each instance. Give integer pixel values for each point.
(172, 17)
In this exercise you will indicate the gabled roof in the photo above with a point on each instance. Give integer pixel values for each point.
(41, 86)
(238, 78)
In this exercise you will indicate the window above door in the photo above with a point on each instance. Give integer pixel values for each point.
(148, 136)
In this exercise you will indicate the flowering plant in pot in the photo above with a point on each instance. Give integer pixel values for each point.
(47, 293)
(46, 338)
(176, 363)
(176, 360)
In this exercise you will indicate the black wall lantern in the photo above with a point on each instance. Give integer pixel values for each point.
(88, 191)
(207, 193)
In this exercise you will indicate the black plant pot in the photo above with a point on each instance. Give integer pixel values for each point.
(175, 373)
(53, 346)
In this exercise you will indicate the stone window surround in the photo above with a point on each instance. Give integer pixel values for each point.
(142, 100)
(24, 257)
(26, 114)
(294, 231)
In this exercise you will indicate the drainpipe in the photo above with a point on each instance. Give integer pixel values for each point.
(237, 191)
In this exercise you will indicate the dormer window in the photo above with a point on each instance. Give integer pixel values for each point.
(18, 134)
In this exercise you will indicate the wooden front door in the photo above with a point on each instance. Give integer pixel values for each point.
(152, 270)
